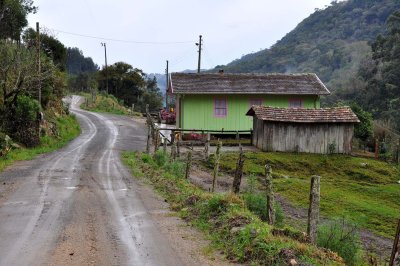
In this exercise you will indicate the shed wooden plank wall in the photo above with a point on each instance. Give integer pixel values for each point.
(303, 137)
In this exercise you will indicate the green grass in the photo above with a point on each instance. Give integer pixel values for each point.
(364, 191)
(238, 233)
(68, 128)
(106, 104)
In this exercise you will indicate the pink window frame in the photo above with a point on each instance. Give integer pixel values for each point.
(226, 106)
(296, 99)
(256, 99)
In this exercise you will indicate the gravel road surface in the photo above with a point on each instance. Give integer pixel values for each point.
(80, 206)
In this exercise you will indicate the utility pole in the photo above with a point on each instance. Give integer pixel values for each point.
(38, 62)
(199, 45)
(39, 74)
(166, 88)
(105, 57)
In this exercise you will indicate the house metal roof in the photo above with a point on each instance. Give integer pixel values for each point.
(302, 115)
(226, 83)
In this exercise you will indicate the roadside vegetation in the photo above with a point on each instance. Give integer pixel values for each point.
(67, 129)
(364, 191)
(225, 218)
(106, 103)
(33, 118)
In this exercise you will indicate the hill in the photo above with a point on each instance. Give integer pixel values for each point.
(330, 42)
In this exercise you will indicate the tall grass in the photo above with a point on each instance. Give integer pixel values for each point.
(342, 237)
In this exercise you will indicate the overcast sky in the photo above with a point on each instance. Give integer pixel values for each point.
(230, 28)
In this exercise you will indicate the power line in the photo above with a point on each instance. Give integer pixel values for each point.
(119, 40)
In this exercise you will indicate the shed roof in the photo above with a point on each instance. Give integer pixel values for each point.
(303, 115)
(294, 84)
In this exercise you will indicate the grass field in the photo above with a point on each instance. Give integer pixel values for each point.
(106, 104)
(233, 230)
(365, 191)
(68, 129)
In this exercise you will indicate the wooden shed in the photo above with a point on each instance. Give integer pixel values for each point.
(320, 131)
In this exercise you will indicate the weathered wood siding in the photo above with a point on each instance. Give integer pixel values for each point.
(303, 137)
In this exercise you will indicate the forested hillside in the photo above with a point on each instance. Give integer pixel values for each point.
(336, 44)
(330, 42)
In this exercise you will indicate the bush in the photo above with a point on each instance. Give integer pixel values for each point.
(257, 204)
(176, 168)
(5, 144)
(341, 237)
(146, 158)
(364, 129)
(23, 121)
(251, 183)
(161, 158)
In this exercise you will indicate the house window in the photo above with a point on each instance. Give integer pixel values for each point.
(220, 107)
(256, 102)
(295, 103)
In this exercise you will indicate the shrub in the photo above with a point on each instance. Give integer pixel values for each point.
(146, 158)
(23, 121)
(176, 168)
(332, 147)
(257, 204)
(5, 144)
(364, 129)
(279, 215)
(251, 183)
(161, 158)
(342, 237)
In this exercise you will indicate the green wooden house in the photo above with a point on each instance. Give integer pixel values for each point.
(221, 101)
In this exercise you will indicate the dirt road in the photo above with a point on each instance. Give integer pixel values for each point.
(80, 206)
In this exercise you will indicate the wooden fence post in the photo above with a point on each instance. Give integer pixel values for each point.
(207, 147)
(132, 107)
(216, 165)
(173, 151)
(165, 145)
(148, 139)
(313, 210)
(188, 164)
(395, 257)
(270, 195)
(238, 139)
(238, 173)
(178, 148)
(156, 140)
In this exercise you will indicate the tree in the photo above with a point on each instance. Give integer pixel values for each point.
(13, 15)
(130, 85)
(364, 129)
(77, 63)
(381, 95)
(82, 82)
(19, 87)
(49, 45)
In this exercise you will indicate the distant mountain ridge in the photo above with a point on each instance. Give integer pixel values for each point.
(331, 43)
